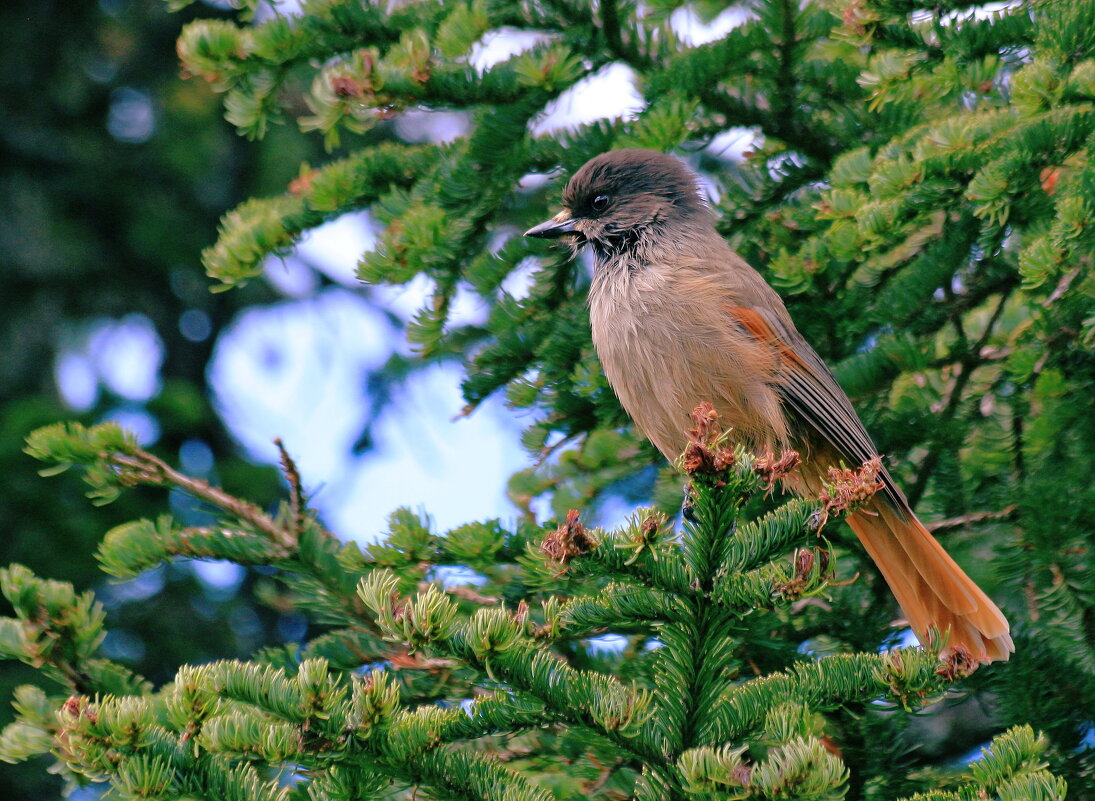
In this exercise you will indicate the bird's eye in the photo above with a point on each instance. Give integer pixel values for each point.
(600, 203)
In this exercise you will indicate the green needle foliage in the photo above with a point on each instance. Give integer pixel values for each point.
(437, 691)
(918, 187)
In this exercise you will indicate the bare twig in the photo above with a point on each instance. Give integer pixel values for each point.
(1062, 287)
(1007, 513)
(468, 594)
(150, 469)
(292, 476)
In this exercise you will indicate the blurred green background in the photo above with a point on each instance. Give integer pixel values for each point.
(113, 174)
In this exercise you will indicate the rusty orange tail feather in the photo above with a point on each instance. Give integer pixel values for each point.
(933, 591)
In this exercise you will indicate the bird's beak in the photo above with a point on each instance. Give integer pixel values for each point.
(559, 225)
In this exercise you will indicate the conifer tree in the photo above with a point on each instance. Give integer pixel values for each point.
(919, 190)
(695, 711)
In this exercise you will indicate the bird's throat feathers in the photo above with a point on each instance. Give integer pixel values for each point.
(626, 254)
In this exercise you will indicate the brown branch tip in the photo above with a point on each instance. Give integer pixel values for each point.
(956, 662)
(771, 469)
(570, 539)
(292, 477)
(806, 561)
(848, 488)
(707, 451)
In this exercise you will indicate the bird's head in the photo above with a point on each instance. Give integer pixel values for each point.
(619, 197)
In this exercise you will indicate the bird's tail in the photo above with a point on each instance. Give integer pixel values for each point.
(931, 588)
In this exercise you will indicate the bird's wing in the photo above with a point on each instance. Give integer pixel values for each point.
(811, 392)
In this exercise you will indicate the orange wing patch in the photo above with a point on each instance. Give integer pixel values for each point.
(755, 323)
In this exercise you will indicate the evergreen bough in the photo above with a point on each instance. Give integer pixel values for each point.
(919, 189)
(411, 686)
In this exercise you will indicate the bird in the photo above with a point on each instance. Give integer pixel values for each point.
(678, 318)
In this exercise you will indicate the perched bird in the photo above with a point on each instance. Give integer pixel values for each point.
(679, 318)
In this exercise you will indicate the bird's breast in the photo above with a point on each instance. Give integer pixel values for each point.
(667, 344)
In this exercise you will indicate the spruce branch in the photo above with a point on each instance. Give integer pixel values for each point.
(498, 713)
(59, 632)
(620, 608)
(260, 227)
(143, 468)
(808, 574)
(757, 542)
(311, 557)
(131, 548)
(1011, 766)
(496, 642)
(634, 555)
(309, 719)
(908, 675)
(589, 700)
